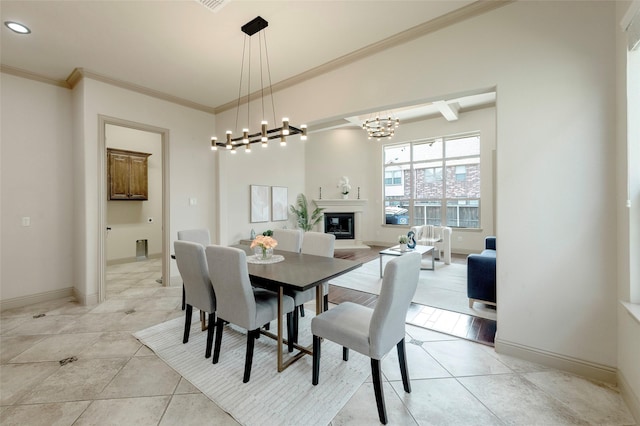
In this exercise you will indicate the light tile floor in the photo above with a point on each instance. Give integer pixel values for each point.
(111, 379)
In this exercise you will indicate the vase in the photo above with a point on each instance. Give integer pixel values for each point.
(263, 252)
(403, 247)
(345, 196)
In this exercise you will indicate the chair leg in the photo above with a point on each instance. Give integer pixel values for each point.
(292, 330)
(187, 323)
(376, 374)
(316, 360)
(326, 302)
(301, 310)
(251, 338)
(404, 370)
(210, 332)
(296, 321)
(345, 354)
(183, 298)
(216, 348)
(203, 320)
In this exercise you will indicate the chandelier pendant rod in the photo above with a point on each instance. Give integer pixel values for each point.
(251, 28)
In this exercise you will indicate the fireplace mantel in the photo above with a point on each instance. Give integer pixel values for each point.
(342, 205)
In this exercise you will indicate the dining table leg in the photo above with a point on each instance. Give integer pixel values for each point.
(319, 299)
(280, 309)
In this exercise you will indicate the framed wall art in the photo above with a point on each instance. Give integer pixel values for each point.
(259, 203)
(279, 203)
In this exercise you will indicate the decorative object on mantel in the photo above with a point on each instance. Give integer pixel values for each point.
(320, 197)
(381, 127)
(344, 186)
(403, 240)
(412, 240)
(358, 193)
(301, 210)
(264, 135)
(263, 247)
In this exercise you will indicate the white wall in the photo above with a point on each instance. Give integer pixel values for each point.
(272, 166)
(192, 175)
(128, 220)
(553, 66)
(36, 182)
(628, 152)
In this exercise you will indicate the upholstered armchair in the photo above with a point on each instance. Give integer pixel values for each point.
(481, 274)
(438, 236)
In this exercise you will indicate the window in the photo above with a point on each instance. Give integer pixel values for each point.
(433, 182)
(393, 177)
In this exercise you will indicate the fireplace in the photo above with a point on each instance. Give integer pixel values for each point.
(355, 209)
(340, 224)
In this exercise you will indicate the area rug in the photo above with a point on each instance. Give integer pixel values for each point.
(444, 288)
(270, 398)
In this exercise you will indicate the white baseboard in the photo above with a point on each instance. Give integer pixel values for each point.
(18, 302)
(131, 259)
(630, 398)
(577, 366)
(85, 299)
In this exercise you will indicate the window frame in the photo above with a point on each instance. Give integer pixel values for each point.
(443, 203)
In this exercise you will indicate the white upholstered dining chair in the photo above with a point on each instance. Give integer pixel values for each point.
(373, 332)
(200, 236)
(238, 302)
(317, 244)
(198, 290)
(288, 239)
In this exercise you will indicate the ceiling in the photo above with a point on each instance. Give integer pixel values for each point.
(188, 53)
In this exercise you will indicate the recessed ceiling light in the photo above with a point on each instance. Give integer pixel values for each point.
(17, 27)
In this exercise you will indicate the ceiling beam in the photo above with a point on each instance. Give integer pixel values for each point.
(448, 110)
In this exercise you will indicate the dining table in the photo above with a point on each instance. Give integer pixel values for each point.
(297, 271)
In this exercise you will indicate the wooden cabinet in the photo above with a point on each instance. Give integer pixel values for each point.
(127, 175)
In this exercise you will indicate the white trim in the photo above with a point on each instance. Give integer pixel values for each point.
(633, 309)
(630, 398)
(577, 366)
(103, 120)
(18, 302)
(633, 10)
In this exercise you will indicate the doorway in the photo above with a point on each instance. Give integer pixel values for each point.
(134, 236)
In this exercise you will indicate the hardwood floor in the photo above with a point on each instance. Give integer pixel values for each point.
(468, 327)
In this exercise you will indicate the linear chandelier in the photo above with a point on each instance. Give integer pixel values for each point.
(263, 136)
(381, 127)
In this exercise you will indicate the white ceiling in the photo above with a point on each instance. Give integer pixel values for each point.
(184, 50)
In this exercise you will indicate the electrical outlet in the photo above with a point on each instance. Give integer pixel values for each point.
(26, 221)
(193, 201)
(149, 220)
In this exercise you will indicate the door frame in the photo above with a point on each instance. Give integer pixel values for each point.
(103, 121)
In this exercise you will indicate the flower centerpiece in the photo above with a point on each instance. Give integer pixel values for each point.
(263, 246)
(403, 240)
(344, 186)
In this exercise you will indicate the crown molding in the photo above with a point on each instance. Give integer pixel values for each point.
(470, 11)
(80, 73)
(6, 69)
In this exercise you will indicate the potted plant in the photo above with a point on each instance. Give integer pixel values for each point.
(305, 221)
(403, 240)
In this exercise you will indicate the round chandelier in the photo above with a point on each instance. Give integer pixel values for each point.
(381, 127)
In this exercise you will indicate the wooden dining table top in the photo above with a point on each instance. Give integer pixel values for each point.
(297, 271)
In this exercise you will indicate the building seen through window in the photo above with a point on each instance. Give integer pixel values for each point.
(433, 182)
